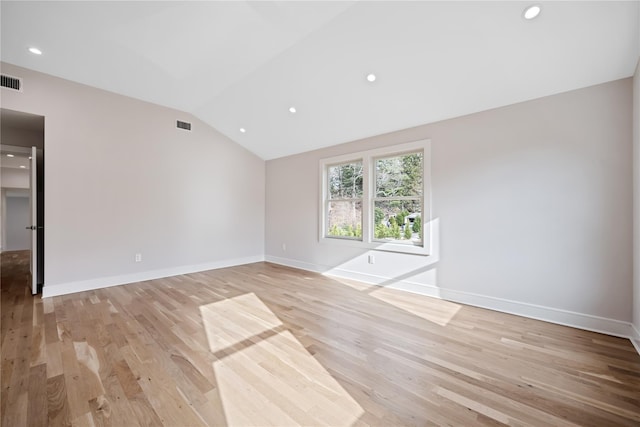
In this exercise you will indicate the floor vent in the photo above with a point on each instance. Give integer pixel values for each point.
(9, 82)
(184, 125)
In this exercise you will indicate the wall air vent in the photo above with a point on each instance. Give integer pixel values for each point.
(184, 125)
(9, 82)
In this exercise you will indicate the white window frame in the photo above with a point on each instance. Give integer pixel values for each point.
(368, 159)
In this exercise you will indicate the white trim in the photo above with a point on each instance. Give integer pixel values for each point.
(548, 314)
(635, 337)
(383, 246)
(105, 282)
(287, 262)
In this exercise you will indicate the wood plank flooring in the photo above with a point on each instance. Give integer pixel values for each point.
(266, 345)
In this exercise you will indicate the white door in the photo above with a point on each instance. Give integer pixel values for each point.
(33, 264)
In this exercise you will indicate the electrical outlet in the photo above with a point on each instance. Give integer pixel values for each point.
(284, 247)
(138, 257)
(372, 259)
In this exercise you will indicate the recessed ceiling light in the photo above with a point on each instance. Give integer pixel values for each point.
(531, 12)
(371, 77)
(23, 167)
(10, 155)
(243, 130)
(35, 51)
(292, 110)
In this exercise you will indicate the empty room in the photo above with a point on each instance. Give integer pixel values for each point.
(331, 213)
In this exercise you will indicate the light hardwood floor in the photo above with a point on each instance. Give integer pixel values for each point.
(264, 345)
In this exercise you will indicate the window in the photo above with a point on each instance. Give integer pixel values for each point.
(344, 201)
(377, 199)
(397, 200)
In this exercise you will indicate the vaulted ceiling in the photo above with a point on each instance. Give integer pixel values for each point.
(244, 64)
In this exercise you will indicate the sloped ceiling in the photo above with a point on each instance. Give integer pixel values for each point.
(244, 64)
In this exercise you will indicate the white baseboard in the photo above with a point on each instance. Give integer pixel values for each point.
(105, 282)
(296, 264)
(548, 314)
(563, 317)
(635, 337)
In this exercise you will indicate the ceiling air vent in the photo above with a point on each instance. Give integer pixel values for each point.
(9, 82)
(184, 125)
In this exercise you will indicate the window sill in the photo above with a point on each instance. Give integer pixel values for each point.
(376, 246)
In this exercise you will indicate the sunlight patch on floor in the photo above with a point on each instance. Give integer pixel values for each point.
(434, 310)
(265, 375)
(359, 286)
(231, 321)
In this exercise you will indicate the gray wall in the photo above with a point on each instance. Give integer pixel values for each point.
(21, 137)
(10, 178)
(14, 178)
(18, 216)
(121, 179)
(532, 205)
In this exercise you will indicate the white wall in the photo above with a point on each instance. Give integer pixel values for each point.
(531, 206)
(121, 179)
(17, 218)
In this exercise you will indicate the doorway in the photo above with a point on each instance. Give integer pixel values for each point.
(22, 190)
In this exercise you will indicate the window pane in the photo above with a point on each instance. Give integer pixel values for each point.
(399, 176)
(345, 219)
(345, 181)
(398, 221)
